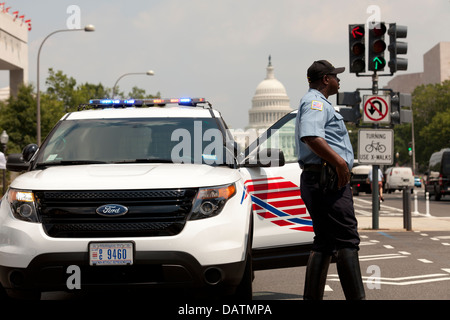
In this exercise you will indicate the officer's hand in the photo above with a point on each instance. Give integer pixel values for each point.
(343, 175)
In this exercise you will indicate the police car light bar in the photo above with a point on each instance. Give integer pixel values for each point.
(119, 103)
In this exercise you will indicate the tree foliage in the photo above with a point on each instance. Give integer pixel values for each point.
(431, 111)
(18, 114)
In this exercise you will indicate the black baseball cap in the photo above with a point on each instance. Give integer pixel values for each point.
(320, 68)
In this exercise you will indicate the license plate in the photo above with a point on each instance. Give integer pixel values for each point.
(110, 253)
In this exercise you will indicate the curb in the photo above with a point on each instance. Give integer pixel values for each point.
(418, 223)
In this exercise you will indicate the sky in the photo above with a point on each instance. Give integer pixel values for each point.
(216, 49)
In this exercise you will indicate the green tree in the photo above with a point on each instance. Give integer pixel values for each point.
(431, 111)
(60, 86)
(436, 133)
(138, 93)
(18, 114)
(19, 119)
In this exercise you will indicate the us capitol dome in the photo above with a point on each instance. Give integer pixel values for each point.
(269, 103)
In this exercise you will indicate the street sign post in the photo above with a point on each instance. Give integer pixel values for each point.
(377, 109)
(376, 146)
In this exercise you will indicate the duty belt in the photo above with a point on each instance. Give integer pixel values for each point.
(312, 167)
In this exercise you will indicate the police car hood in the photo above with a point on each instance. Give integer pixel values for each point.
(125, 176)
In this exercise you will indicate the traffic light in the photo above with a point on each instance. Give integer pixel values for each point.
(352, 100)
(410, 148)
(401, 108)
(357, 48)
(397, 47)
(377, 46)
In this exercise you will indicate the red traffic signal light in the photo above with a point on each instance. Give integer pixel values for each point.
(357, 48)
(357, 31)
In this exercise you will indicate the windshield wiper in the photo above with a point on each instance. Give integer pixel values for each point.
(68, 163)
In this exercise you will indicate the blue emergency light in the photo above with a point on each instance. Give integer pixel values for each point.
(119, 103)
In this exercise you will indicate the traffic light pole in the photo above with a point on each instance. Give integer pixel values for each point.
(375, 168)
(377, 62)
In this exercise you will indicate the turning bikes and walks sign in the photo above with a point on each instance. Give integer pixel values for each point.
(376, 146)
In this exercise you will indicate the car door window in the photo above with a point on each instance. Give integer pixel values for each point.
(282, 136)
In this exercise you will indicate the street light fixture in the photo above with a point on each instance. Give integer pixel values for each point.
(149, 73)
(87, 28)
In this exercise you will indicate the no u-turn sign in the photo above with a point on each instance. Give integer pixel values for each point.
(377, 109)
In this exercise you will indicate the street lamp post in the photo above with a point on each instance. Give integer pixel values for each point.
(4, 141)
(87, 28)
(149, 73)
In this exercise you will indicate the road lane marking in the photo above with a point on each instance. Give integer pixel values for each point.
(425, 261)
(381, 257)
(401, 281)
(366, 243)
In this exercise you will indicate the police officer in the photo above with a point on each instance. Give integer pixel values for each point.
(321, 136)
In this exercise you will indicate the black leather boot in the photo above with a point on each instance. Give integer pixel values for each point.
(316, 275)
(350, 274)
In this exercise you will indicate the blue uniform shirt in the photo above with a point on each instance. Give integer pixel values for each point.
(317, 117)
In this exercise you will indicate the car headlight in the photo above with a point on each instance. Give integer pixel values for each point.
(23, 205)
(210, 201)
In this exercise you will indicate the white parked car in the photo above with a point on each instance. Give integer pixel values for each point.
(135, 195)
(398, 178)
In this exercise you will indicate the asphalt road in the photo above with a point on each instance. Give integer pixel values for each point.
(394, 266)
(393, 203)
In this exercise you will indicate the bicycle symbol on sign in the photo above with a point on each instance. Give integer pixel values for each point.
(375, 146)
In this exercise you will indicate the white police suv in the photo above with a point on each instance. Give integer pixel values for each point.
(150, 194)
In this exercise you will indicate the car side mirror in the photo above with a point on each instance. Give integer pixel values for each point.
(29, 151)
(21, 161)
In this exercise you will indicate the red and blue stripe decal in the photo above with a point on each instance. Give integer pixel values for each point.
(278, 200)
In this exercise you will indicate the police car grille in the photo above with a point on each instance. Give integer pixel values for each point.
(72, 214)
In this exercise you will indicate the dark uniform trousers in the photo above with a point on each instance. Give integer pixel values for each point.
(336, 233)
(332, 213)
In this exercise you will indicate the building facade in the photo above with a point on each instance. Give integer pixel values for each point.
(13, 50)
(436, 69)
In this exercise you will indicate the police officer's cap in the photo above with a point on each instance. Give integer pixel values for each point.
(320, 68)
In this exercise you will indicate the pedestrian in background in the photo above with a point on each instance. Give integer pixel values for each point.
(323, 143)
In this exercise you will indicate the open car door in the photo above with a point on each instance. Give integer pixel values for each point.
(283, 231)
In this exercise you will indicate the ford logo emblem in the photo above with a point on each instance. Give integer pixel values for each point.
(111, 210)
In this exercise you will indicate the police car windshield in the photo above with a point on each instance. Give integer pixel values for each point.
(148, 140)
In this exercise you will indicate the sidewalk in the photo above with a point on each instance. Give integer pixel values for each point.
(418, 223)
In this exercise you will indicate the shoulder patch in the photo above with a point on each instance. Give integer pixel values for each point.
(317, 105)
